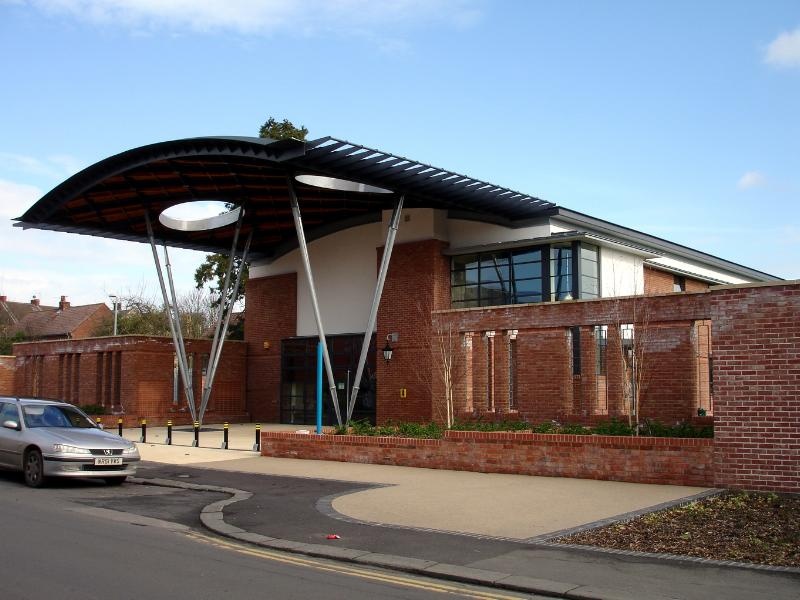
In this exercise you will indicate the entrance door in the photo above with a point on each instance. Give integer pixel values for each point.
(299, 379)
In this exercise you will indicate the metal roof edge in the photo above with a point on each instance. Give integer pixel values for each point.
(663, 245)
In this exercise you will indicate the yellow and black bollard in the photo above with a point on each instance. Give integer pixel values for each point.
(119, 426)
(99, 423)
(168, 441)
(196, 442)
(257, 445)
(224, 436)
(143, 437)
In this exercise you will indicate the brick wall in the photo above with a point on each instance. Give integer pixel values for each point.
(271, 317)
(130, 375)
(756, 372)
(546, 385)
(7, 368)
(645, 460)
(661, 282)
(418, 282)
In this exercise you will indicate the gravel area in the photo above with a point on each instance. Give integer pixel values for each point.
(744, 527)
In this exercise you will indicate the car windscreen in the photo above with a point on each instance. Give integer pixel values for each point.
(43, 415)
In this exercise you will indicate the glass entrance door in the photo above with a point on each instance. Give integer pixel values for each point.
(299, 379)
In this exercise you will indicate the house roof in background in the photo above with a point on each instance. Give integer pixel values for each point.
(12, 312)
(57, 322)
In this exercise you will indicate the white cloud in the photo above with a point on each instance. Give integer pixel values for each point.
(784, 50)
(16, 198)
(751, 179)
(265, 16)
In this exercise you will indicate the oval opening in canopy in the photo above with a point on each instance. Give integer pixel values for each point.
(341, 185)
(199, 215)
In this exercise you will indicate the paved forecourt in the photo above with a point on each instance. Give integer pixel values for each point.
(510, 506)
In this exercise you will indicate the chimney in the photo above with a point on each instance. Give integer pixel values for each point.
(4, 299)
(63, 303)
(35, 301)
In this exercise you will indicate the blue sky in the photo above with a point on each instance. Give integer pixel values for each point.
(676, 118)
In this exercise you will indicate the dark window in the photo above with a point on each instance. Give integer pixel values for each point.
(601, 346)
(299, 379)
(678, 283)
(575, 335)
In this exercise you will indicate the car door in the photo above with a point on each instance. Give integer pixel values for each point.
(9, 438)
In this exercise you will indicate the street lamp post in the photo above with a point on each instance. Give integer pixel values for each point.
(114, 300)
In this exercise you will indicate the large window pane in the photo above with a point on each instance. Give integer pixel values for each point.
(467, 261)
(463, 277)
(466, 292)
(495, 273)
(493, 259)
(526, 255)
(560, 272)
(527, 270)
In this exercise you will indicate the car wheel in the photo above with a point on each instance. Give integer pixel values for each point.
(34, 468)
(116, 480)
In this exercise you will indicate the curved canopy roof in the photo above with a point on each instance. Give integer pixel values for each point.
(112, 197)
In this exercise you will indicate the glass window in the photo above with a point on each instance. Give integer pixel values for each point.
(561, 272)
(590, 271)
(523, 275)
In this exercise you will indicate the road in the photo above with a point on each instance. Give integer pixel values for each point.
(59, 542)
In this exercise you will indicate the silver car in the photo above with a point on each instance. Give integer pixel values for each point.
(43, 438)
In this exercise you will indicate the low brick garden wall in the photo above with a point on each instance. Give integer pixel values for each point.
(674, 461)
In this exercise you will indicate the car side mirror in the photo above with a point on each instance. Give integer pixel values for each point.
(11, 425)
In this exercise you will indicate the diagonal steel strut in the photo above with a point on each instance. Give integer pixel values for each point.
(387, 255)
(174, 321)
(221, 328)
(301, 240)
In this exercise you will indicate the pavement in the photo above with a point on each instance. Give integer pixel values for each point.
(490, 529)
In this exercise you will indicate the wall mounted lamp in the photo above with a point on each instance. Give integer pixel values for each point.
(387, 349)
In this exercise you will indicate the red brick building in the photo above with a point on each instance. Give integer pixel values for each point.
(132, 377)
(496, 304)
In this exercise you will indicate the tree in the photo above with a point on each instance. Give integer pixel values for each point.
(214, 266)
(141, 315)
(282, 130)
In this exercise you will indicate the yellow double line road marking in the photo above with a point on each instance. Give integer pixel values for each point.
(345, 569)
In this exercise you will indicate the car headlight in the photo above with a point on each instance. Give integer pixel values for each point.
(67, 449)
(130, 450)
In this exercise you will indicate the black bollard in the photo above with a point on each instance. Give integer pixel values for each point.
(257, 445)
(224, 437)
(169, 433)
(119, 427)
(143, 438)
(196, 442)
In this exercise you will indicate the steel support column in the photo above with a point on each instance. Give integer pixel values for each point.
(180, 350)
(301, 240)
(219, 334)
(373, 314)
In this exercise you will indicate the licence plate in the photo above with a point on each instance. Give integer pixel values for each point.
(108, 460)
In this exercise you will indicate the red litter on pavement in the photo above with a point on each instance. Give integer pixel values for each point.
(333, 536)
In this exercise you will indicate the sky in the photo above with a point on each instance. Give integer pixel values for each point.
(677, 118)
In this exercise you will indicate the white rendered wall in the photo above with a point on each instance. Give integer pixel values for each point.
(345, 271)
(621, 274)
(463, 234)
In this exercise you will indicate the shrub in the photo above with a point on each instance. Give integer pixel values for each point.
(93, 409)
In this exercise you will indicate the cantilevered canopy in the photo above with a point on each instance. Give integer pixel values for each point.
(110, 198)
